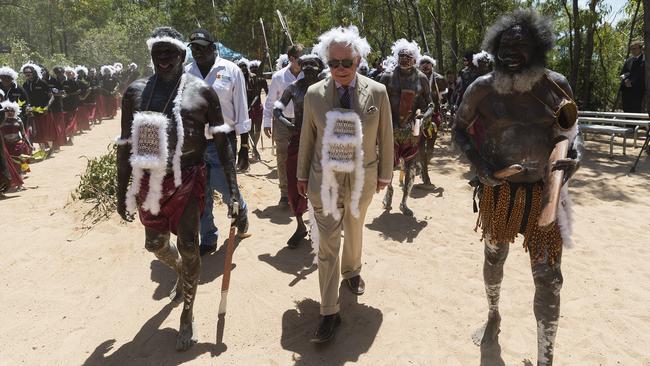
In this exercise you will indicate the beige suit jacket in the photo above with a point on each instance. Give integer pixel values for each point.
(371, 103)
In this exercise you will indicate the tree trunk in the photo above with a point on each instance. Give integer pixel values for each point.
(631, 37)
(437, 26)
(392, 20)
(418, 19)
(577, 47)
(589, 52)
(454, 37)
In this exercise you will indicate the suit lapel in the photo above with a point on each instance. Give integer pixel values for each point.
(330, 94)
(361, 96)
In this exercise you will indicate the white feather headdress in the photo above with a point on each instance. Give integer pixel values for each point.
(8, 71)
(402, 45)
(483, 55)
(11, 105)
(33, 66)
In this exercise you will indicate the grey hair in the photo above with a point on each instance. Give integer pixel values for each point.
(348, 36)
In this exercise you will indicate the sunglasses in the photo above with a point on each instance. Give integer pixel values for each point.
(346, 63)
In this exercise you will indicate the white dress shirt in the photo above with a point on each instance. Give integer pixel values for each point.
(279, 82)
(228, 81)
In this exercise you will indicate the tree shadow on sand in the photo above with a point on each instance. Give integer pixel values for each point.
(397, 226)
(354, 337)
(297, 262)
(151, 346)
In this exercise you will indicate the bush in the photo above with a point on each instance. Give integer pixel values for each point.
(98, 185)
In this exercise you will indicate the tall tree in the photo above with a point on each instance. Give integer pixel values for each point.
(592, 23)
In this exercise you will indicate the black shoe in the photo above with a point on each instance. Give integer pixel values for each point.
(207, 249)
(357, 285)
(284, 202)
(326, 328)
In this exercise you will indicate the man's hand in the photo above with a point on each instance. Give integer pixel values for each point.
(242, 158)
(267, 132)
(381, 185)
(486, 177)
(121, 210)
(232, 212)
(568, 165)
(302, 188)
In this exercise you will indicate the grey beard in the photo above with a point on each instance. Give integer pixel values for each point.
(520, 82)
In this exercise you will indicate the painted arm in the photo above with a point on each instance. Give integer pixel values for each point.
(124, 149)
(281, 104)
(219, 130)
(465, 117)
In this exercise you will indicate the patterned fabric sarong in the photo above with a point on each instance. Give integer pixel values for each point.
(406, 145)
(44, 128)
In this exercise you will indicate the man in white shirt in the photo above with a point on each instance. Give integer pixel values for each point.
(281, 133)
(228, 81)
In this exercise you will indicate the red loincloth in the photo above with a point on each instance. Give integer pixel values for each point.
(297, 202)
(59, 125)
(174, 199)
(70, 123)
(99, 108)
(256, 112)
(14, 174)
(83, 120)
(44, 127)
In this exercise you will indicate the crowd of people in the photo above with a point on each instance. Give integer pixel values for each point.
(340, 129)
(48, 109)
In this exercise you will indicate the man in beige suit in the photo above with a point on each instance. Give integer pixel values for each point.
(345, 156)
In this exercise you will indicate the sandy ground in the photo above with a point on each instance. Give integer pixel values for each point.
(73, 296)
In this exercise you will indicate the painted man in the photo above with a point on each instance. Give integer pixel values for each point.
(511, 118)
(345, 156)
(281, 134)
(410, 99)
(254, 86)
(311, 66)
(227, 80)
(164, 121)
(430, 126)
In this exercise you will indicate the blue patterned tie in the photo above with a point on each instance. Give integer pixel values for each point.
(345, 98)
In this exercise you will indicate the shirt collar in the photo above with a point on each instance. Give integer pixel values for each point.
(352, 83)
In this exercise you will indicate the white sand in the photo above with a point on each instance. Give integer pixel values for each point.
(98, 297)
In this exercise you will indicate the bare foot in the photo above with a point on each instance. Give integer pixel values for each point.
(186, 337)
(405, 210)
(388, 199)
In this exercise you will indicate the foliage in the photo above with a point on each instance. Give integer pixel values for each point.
(96, 32)
(98, 185)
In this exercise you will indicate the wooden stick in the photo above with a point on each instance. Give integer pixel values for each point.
(509, 171)
(227, 266)
(552, 186)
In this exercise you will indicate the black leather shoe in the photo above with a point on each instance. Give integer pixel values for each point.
(284, 202)
(326, 328)
(357, 285)
(207, 249)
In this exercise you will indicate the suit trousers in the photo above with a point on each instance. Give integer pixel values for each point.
(281, 136)
(329, 230)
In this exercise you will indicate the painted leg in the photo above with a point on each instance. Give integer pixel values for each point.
(388, 198)
(409, 168)
(548, 283)
(495, 257)
(158, 243)
(188, 247)
(424, 158)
